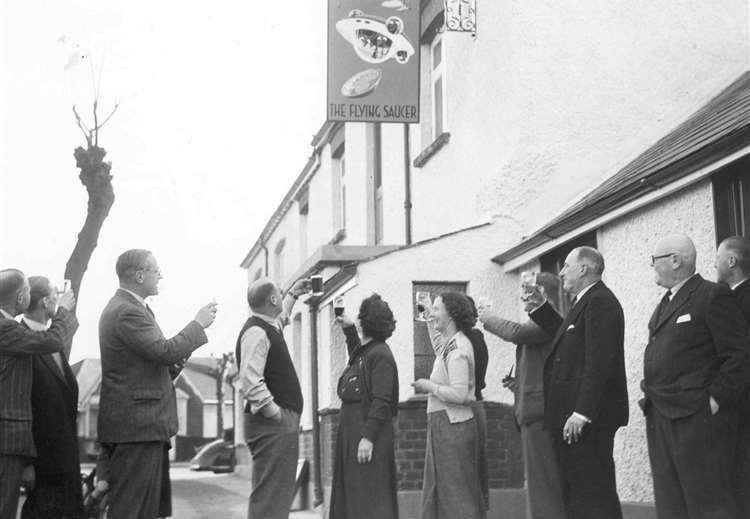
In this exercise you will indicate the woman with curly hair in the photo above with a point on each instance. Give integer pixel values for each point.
(364, 475)
(452, 472)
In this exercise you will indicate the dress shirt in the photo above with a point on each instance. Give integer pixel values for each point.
(41, 327)
(5, 314)
(254, 346)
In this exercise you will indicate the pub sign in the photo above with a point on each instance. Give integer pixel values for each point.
(373, 61)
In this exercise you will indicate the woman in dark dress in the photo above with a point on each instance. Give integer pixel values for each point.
(364, 476)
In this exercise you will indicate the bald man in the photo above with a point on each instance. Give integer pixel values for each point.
(17, 346)
(585, 390)
(733, 269)
(695, 369)
(273, 398)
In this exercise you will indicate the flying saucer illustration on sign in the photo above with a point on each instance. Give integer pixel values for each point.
(375, 39)
(362, 83)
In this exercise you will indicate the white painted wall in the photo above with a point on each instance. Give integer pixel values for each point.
(552, 97)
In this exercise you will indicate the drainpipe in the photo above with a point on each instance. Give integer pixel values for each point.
(407, 187)
(317, 475)
(265, 250)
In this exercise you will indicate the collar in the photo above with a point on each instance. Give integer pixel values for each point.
(34, 325)
(5, 314)
(679, 285)
(136, 296)
(585, 289)
(273, 321)
(734, 287)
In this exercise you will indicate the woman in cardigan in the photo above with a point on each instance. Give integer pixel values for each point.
(451, 486)
(364, 476)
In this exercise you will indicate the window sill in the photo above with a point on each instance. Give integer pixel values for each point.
(432, 149)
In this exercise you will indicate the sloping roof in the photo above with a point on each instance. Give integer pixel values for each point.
(719, 128)
(198, 372)
(88, 373)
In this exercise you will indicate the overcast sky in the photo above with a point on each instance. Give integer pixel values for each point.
(218, 104)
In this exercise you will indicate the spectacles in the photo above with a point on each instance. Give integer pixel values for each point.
(155, 271)
(660, 256)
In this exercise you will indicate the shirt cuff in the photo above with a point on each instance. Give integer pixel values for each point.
(580, 416)
(270, 410)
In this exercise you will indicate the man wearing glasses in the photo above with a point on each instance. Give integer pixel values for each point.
(137, 410)
(695, 369)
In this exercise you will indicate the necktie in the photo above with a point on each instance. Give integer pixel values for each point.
(664, 303)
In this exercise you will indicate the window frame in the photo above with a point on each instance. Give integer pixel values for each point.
(731, 200)
(438, 74)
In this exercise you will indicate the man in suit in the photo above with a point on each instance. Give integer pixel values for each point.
(54, 406)
(543, 488)
(137, 409)
(695, 368)
(733, 269)
(271, 389)
(585, 390)
(17, 346)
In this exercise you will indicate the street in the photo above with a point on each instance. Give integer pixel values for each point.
(198, 495)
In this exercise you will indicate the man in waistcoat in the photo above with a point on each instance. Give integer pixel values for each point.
(273, 398)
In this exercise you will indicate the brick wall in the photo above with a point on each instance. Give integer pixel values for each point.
(503, 445)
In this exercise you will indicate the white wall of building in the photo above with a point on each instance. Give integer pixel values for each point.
(550, 98)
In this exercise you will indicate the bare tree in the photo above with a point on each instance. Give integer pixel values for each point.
(96, 178)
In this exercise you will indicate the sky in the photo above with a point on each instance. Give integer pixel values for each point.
(218, 103)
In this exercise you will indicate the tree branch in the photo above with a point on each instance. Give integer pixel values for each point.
(109, 116)
(83, 127)
(96, 123)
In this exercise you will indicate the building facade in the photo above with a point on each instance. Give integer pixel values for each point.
(553, 125)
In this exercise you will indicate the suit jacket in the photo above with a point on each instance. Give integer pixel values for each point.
(533, 347)
(585, 371)
(54, 404)
(697, 347)
(137, 402)
(742, 291)
(17, 346)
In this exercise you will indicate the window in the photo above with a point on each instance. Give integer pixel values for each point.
(554, 260)
(732, 200)
(437, 83)
(278, 263)
(378, 184)
(338, 166)
(423, 353)
(303, 201)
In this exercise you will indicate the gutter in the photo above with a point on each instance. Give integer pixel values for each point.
(317, 472)
(407, 187)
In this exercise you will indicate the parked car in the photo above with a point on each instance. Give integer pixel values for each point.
(217, 456)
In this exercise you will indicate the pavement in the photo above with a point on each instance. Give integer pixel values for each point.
(198, 495)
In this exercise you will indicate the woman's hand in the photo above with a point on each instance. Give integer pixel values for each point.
(364, 451)
(422, 385)
(344, 320)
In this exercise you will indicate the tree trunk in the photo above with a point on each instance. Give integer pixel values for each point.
(98, 182)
